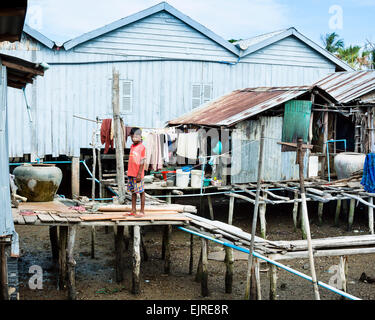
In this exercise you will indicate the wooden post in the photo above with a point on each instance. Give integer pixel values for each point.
(324, 147)
(72, 295)
(191, 260)
(371, 216)
(338, 210)
(273, 282)
(100, 169)
(198, 275)
(209, 200)
(169, 201)
(320, 213)
(231, 208)
(119, 249)
(303, 226)
(54, 239)
(257, 279)
(144, 249)
(253, 284)
(63, 234)
(343, 273)
(167, 248)
(255, 217)
(204, 280)
(93, 189)
(118, 137)
(351, 214)
(75, 177)
(295, 211)
(306, 220)
(136, 260)
(229, 262)
(262, 217)
(4, 294)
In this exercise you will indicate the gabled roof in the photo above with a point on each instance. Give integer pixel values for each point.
(38, 36)
(256, 43)
(347, 86)
(239, 105)
(163, 6)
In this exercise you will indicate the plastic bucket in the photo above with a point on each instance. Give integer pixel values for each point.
(196, 178)
(182, 178)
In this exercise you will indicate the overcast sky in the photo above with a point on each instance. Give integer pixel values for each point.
(353, 20)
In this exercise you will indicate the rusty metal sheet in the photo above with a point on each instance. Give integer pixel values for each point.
(347, 86)
(239, 105)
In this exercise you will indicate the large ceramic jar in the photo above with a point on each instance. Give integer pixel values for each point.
(348, 162)
(37, 182)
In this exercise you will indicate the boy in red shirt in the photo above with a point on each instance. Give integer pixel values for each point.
(136, 172)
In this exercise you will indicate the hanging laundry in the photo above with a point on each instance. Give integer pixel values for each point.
(368, 178)
(187, 145)
(154, 159)
(105, 134)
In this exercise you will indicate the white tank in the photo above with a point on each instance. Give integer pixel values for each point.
(348, 162)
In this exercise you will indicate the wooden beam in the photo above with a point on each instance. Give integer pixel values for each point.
(15, 77)
(16, 66)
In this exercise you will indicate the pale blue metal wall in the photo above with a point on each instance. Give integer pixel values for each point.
(79, 80)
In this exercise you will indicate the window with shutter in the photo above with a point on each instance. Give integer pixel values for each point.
(196, 95)
(201, 93)
(126, 96)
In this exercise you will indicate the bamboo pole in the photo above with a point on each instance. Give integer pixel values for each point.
(295, 211)
(337, 214)
(75, 177)
(255, 216)
(343, 271)
(351, 214)
(306, 220)
(320, 213)
(210, 207)
(262, 217)
(204, 280)
(93, 188)
(273, 282)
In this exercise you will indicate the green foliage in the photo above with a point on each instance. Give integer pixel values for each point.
(330, 43)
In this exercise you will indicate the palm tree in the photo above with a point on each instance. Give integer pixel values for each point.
(330, 42)
(350, 55)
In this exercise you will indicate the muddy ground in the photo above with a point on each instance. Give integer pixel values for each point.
(95, 277)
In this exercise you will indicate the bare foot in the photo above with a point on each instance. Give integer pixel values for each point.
(132, 213)
(140, 214)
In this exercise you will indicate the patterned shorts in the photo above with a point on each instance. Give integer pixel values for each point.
(134, 186)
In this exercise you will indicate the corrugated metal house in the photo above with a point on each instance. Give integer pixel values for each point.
(286, 114)
(168, 64)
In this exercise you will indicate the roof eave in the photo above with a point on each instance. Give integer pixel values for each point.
(38, 36)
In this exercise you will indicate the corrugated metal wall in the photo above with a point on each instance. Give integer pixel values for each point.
(79, 83)
(6, 218)
(277, 165)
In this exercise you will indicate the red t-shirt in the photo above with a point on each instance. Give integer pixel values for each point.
(137, 153)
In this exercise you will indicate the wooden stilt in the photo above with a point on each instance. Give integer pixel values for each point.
(72, 295)
(257, 278)
(93, 236)
(231, 208)
(211, 209)
(338, 210)
(191, 260)
(351, 214)
(229, 261)
(320, 213)
(63, 234)
(273, 282)
(343, 274)
(198, 275)
(136, 260)
(167, 247)
(262, 217)
(303, 228)
(204, 280)
(54, 239)
(371, 216)
(295, 211)
(253, 285)
(166, 231)
(75, 177)
(119, 249)
(4, 294)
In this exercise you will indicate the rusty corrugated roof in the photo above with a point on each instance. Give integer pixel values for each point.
(239, 105)
(347, 86)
